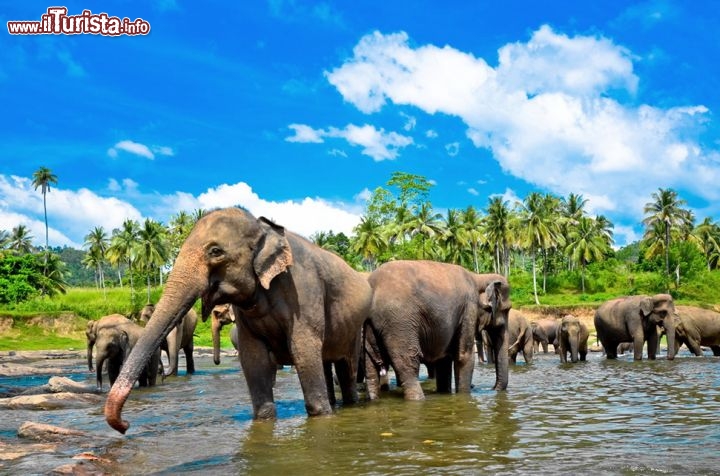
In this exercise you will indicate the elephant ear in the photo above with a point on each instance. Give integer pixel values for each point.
(273, 255)
(491, 299)
(646, 307)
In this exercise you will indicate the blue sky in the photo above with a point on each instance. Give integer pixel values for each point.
(296, 110)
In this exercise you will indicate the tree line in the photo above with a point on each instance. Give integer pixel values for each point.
(542, 234)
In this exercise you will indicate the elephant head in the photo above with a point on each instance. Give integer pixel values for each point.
(221, 315)
(569, 331)
(146, 313)
(659, 310)
(113, 343)
(495, 302)
(229, 256)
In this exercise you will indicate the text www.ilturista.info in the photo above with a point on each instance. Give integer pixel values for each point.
(57, 22)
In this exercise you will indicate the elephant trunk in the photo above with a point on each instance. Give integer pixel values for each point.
(574, 339)
(669, 326)
(187, 281)
(173, 349)
(216, 327)
(498, 337)
(99, 366)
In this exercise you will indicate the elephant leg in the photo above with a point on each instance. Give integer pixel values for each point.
(443, 375)
(695, 347)
(329, 381)
(638, 342)
(189, 361)
(306, 349)
(114, 365)
(347, 381)
(259, 371)
(407, 369)
(653, 344)
(715, 350)
(464, 365)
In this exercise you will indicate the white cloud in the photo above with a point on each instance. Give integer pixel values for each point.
(375, 143)
(73, 213)
(410, 121)
(452, 149)
(472, 191)
(137, 148)
(431, 134)
(546, 112)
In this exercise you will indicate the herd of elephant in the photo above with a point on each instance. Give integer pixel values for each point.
(294, 303)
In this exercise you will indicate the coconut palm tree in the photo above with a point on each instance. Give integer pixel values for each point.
(666, 212)
(54, 278)
(20, 240)
(707, 237)
(454, 238)
(539, 229)
(586, 243)
(43, 178)
(369, 240)
(97, 244)
(498, 229)
(123, 249)
(152, 249)
(472, 225)
(425, 223)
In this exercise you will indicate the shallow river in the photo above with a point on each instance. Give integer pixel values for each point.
(597, 417)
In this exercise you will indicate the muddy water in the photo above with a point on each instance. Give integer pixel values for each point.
(597, 417)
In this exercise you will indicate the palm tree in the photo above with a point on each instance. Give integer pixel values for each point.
(97, 243)
(43, 177)
(472, 224)
(425, 223)
(497, 228)
(454, 238)
(586, 243)
(538, 228)
(152, 249)
(707, 237)
(54, 279)
(369, 240)
(4, 240)
(123, 249)
(572, 209)
(666, 212)
(20, 240)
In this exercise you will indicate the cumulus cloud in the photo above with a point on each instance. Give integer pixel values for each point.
(452, 149)
(73, 213)
(139, 149)
(547, 112)
(375, 143)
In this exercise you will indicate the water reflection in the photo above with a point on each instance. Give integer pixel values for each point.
(598, 417)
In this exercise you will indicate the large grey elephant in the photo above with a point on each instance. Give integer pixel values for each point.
(572, 338)
(547, 328)
(294, 301)
(635, 318)
(520, 337)
(112, 320)
(179, 338)
(539, 337)
(113, 343)
(424, 312)
(696, 327)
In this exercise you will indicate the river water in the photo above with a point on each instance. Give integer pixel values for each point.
(596, 417)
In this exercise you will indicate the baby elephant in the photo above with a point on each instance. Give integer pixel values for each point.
(572, 336)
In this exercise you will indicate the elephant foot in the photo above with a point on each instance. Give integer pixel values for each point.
(266, 411)
(413, 392)
(318, 409)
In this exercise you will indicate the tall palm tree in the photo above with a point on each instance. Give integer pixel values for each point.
(497, 228)
(20, 240)
(586, 243)
(123, 249)
(369, 240)
(425, 223)
(666, 211)
(472, 224)
(97, 243)
(54, 279)
(707, 237)
(539, 229)
(152, 250)
(572, 209)
(454, 238)
(43, 178)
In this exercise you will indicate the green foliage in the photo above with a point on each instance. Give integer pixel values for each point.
(25, 276)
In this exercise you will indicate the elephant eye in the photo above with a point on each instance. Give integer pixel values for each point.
(215, 251)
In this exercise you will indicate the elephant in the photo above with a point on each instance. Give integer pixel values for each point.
(635, 318)
(295, 303)
(520, 337)
(548, 327)
(180, 337)
(697, 327)
(425, 312)
(113, 344)
(628, 346)
(572, 337)
(222, 315)
(540, 337)
(113, 320)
